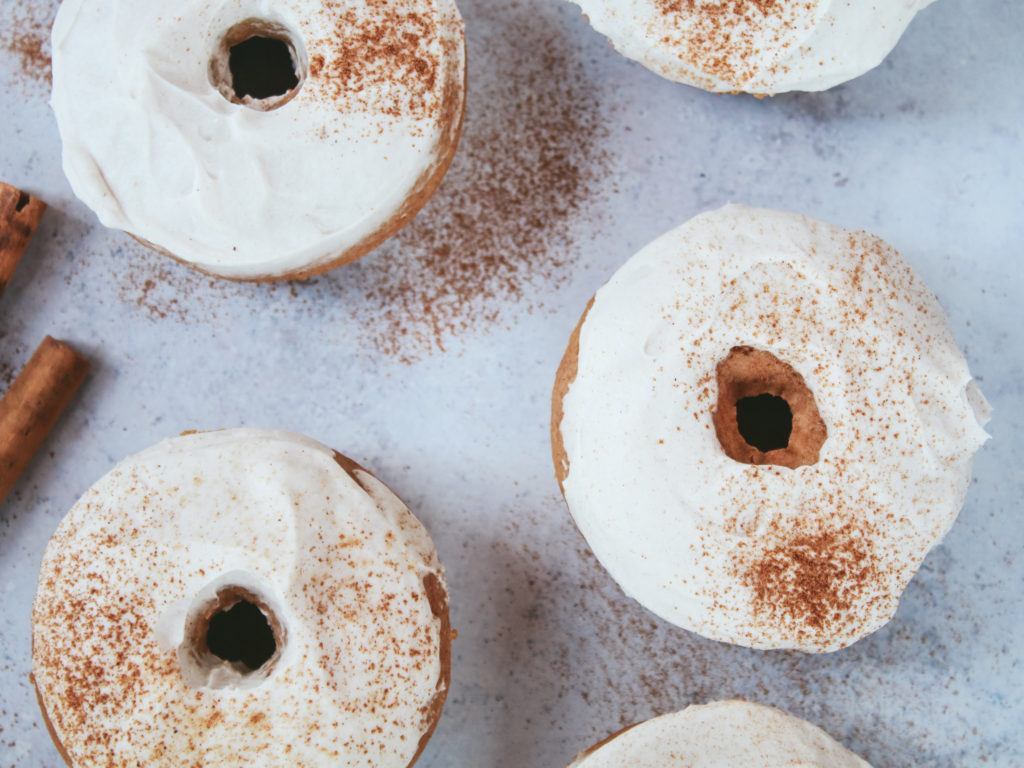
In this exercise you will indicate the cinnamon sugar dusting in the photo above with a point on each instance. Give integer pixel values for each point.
(812, 581)
(25, 39)
(89, 685)
(382, 44)
(731, 40)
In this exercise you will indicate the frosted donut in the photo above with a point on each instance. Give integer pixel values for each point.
(761, 425)
(240, 598)
(258, 139)
(725, 734)
(757, 46)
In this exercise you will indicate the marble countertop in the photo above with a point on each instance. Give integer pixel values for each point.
(431, 362)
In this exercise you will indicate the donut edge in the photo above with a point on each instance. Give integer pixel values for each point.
(48, 723)
(564, 377)
(606, 740)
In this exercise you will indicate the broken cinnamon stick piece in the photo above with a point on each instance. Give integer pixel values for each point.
(20, 214)
(33, 404)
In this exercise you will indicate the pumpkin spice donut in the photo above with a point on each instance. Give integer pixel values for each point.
(258, 139)
(756, 46)
(240, 598)
(724, 734)
(761, 425)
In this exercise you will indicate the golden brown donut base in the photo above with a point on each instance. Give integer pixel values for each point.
(564, 378)
(454, 112)
(437, 596)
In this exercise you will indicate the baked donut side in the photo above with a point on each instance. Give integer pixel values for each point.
(564, 378)
(437, 595)
(134, 659)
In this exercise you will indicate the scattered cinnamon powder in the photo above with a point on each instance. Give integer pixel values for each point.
(25, 38)
(811, 581)
(498, 227)
(162, 289)
(726, 39)
(7, 376)
(10, 363)
(573, 640)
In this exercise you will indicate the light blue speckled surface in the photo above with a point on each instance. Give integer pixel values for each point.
(925, 151)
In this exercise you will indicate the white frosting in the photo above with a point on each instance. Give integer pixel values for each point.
(691, 533)
(339, 560)
(726, 734)
(757, 46)
(153, 147)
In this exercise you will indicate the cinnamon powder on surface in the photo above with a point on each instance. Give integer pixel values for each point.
(25, 39)
(8, 373)
(11, 360)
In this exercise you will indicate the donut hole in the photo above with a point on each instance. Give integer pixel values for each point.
(241, 633)
(765, 421)
(259, 64)
(262, 67)
(766, 413)
(232, 640)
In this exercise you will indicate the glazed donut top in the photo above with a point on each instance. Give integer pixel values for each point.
(348, 578)
(725, 734)
(157, 143)
(804, 547)
(757, 46)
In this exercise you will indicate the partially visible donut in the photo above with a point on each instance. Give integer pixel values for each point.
(761, 426)
(241, 598)
(757, 46)
(725, 734)
(258, 139)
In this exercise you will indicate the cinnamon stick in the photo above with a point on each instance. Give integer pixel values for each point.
(20, 214)
(33, 404)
